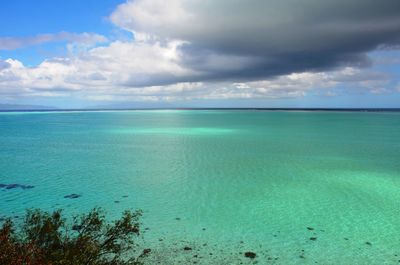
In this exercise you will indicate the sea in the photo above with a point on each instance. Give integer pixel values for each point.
(293, 187)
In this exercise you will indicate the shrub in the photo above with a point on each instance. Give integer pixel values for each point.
(47, 239)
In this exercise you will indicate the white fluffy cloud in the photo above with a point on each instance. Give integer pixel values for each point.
(184, 50)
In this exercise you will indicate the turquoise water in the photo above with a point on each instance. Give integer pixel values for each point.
(236, 180)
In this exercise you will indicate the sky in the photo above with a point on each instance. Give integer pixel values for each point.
(200, 53)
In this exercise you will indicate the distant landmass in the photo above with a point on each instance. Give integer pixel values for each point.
(5, 107)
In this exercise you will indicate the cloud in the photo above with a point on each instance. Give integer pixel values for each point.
(4, 65)
(90, 78)
(120, 65)
(208, 49)
(398, 87)
(297, 85)
(13, 43)
(233, 39)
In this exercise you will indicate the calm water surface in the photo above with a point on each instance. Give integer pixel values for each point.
(236, 180)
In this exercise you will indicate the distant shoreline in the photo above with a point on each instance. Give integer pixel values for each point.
(238, 109)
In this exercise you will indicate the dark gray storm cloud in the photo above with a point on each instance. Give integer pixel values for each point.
(253, 39)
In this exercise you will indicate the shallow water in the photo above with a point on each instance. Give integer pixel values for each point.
(236, 180)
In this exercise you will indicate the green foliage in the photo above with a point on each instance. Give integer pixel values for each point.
(47, 239)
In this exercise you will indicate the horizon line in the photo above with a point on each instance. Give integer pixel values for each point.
(204, 108)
